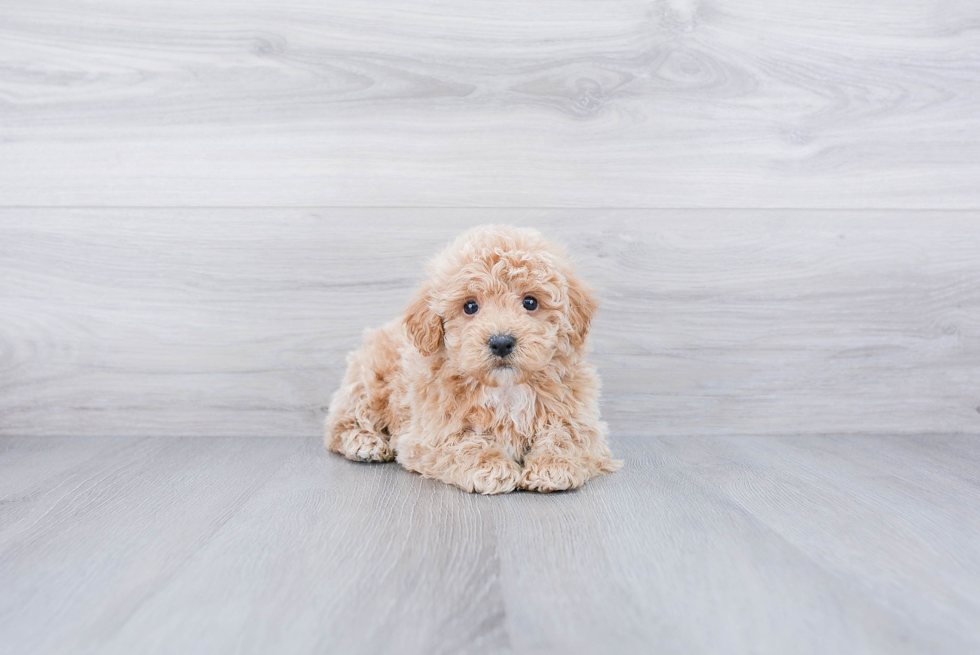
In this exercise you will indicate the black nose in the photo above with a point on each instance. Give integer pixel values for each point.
(501, 344)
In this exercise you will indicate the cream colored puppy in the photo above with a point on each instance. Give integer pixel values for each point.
(482, 383)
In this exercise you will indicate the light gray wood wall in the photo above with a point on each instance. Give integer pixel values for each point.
(624, 103)
(233, 321)
(202, 204)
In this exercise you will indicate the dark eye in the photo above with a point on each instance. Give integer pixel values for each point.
(530, 303)
(471, 307)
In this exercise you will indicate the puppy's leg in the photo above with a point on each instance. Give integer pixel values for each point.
(564, 457)
(352, 440)
(469, 461)
(356, 425)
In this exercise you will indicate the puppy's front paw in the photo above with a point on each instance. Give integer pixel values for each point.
(362, 446)
(549, 473)
(498, 475)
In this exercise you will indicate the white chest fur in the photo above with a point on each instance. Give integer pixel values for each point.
(513, 404)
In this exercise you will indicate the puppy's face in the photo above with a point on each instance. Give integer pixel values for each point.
(501, 305)
(500, 330)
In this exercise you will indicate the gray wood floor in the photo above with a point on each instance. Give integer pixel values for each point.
(700, 545)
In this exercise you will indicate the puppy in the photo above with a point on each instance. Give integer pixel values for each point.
(482, 383)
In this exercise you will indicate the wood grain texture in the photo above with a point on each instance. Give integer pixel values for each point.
(111, 530)
(851, 544)
(789, 484)
(654, 103)
(236, 322)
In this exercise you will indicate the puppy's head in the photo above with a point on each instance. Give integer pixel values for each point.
(501, 303)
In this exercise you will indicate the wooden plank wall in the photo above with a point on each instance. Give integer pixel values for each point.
(202, 204)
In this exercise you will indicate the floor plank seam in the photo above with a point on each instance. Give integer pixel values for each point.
(200, 547)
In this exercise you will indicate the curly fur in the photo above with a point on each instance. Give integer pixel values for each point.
(426, 390)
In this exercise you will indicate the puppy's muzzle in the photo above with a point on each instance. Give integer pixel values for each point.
(501, 345)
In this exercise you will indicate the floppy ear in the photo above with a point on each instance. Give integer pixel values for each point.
(582, 306)
(423, 325)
